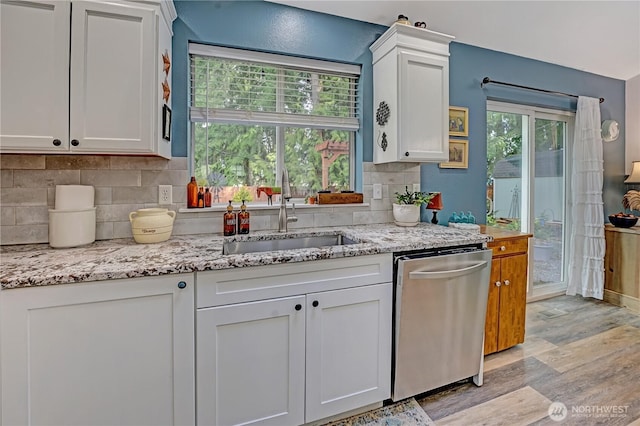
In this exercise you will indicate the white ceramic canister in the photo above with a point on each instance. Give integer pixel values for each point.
(152, 225)
(74, 197)
(71, 228)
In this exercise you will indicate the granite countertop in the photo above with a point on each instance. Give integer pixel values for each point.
(40, 265)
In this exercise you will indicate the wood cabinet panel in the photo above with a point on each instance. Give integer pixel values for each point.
(506, 305)
(622, 267)
(513, 299)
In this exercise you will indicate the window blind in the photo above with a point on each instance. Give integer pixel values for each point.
(237, 86)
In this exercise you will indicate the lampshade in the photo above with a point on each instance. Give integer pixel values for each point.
(436, 201)
(634, 177)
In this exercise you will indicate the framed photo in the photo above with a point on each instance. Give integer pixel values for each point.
(166, 122)
(458, 121)
(458, 155)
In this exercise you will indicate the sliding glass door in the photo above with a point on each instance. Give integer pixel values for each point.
(527, 185)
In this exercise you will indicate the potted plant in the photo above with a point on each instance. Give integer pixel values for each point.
(406, 209)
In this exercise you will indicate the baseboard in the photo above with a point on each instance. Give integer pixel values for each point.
(619, 299)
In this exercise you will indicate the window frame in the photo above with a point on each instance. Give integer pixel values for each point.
(353, 125)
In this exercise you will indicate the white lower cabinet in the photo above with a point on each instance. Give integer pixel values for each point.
(108, 353)
(296, 359)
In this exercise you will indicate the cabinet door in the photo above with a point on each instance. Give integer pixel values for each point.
(348, 349)
(101, 353)
(513, 299)
(250, 363)
(493, 309)
(34, 100)
(113, 78)
(424, 108)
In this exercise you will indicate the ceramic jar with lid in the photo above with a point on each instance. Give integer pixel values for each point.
(152, 225)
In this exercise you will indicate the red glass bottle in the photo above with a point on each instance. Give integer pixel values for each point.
(229, 221)
(243, 219)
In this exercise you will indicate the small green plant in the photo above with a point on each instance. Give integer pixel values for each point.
(414, 197)
(242, 193)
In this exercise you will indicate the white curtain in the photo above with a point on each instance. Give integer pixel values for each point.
(586, 244)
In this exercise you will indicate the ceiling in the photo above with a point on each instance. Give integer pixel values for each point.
(601, 37)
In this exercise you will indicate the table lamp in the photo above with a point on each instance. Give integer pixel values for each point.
(631, 199)
(435, 204)
(634, 177)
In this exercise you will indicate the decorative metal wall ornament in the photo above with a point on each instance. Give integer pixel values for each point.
(382, 113)
(384, 142)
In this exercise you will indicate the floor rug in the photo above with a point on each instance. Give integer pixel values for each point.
(404, 413)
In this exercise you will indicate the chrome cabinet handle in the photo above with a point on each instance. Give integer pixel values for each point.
(507, 282)
(502, 248)
(498, 283)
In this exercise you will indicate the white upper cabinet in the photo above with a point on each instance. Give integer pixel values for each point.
(411, 95)
(84, 77)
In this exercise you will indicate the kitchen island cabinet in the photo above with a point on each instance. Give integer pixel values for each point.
(84, 76)
(622, 267)
(119, 353)
(298, 358)
(506, 305)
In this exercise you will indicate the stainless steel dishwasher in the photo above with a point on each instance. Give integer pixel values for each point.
(440, 308)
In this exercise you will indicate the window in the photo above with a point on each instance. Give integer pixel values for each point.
(254, 113)
(527, 184)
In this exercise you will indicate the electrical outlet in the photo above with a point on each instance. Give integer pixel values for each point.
(377, 191)
(416, 187)
(165, 194)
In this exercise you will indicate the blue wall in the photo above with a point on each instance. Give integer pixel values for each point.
(464, 189)
(276, 28)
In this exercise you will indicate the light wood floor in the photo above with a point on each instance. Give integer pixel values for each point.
(580, 352)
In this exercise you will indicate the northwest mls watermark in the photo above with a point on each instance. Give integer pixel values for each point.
(558, 411)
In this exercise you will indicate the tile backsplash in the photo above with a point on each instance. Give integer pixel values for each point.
(126, 183)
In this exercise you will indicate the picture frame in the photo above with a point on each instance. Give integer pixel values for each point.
(458, 155)
(458, 121)
(166, 122)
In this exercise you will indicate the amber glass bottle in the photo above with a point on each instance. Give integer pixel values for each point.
(243, 219)
(201, 197)
(207, 197)
(192, 193)
(229, 221)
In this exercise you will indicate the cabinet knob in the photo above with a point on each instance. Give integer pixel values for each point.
(498, 283)
(406, 154)
(502, 248)
(57, 142)
(75, 142)
(315, 304)
(298, 307)
(182, 284)
(507, 282)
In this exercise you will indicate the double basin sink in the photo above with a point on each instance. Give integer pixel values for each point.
(285, 242)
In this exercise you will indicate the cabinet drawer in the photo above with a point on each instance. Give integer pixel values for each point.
(215, 288)
(511, 246)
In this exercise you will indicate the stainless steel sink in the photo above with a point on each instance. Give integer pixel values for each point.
(316, 241)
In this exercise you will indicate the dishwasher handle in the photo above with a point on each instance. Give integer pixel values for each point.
(423, 275)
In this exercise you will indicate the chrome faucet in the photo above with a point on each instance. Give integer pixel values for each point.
(283, 220)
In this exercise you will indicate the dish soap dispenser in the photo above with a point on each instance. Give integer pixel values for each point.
(229, 227)
(243, 220)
